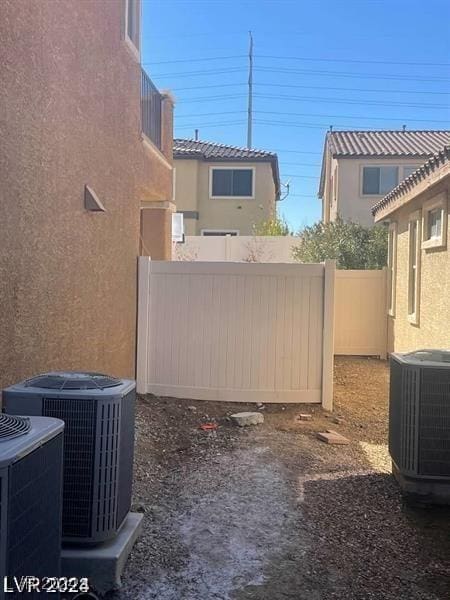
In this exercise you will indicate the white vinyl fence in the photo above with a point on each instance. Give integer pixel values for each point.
(360, 313)
(241, 248)
(236, 332)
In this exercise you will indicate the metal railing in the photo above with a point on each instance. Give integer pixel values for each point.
(151, 109)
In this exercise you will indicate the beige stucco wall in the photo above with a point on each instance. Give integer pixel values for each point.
(433, 330)
(350, 203)
(70, 116)
(192, 192)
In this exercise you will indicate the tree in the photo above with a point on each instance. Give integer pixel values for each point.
(352, 245)
(275, 226)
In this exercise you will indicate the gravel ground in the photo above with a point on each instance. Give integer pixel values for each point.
(272, 513)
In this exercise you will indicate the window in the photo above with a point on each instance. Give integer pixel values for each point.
(392, 267)
(435, 223)
(132, 23)
(414, 267)
(378, 181)
(434, 229)
(233, 232)
(234, 183)
(409, 169)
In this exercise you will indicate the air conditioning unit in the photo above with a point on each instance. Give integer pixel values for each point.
(419, 423)
(31, 459)
(98, 412)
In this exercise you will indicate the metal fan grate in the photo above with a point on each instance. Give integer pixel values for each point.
(12, 427)
(68, 380)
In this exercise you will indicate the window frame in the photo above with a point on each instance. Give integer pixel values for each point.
(219, 232)
(392, 268)
(135, 49)
(228, 168)
(413, 315)
(438, 202)
(375, 166)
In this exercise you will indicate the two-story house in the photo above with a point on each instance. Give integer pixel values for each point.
(85, 178)
(360, 167)
(224, 190)
(417, 213)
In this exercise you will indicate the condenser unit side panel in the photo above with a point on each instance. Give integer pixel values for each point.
(395, 410)
(3, 525)
(126, 458)
(79, 460)
(106, 469)
(434, 437)
(34, 515)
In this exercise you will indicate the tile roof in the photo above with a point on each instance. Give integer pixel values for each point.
(183, 148)
(433, 164)
(386, 143)
(211, 151)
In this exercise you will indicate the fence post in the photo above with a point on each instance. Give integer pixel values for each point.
(142, 347)
(328, 334)
(384, 308)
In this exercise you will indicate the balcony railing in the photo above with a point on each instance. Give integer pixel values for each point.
(151, 109)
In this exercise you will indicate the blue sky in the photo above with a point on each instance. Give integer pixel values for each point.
(347, 63)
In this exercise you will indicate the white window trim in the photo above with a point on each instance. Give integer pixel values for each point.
(392, 268)
(129, 42)
(439, 201)
(361, 178)
(223, 232)
(211, 169)
(416, 216)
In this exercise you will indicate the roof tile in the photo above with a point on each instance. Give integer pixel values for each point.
(183, 148)
(386, 143)
(432, 164)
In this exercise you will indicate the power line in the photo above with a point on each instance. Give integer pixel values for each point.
(314, 87)
(226, 123)
(318, 99)
(355, 60)
(301, 58)
(302, 176)
(351, 101)
(190, 60)
(271, 69)
(345, 74)
(296, 114)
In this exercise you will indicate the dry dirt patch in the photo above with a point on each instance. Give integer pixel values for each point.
(271, 513)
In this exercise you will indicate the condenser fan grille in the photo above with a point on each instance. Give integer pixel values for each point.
(12, 427)
(68, 380)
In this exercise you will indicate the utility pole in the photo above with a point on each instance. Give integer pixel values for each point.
(250, 91)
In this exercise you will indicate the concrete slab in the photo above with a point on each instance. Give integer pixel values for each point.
(103, 564)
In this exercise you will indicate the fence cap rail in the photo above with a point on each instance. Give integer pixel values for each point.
(235, 268)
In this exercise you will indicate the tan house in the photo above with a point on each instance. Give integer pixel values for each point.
(81, 153)
(417, 211)
(360, 167)
(223, 190)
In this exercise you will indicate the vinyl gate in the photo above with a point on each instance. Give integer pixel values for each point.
(236, 332)
(360, 313)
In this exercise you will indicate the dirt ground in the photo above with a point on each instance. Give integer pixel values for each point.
(272, 513)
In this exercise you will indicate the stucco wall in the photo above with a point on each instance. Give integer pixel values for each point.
(433, 330)
(351, 204)
(192, 193)
(70, 116)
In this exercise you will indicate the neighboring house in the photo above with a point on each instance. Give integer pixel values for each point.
(70, 117)
(360, 167)
(417, 211)
(224, 189)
